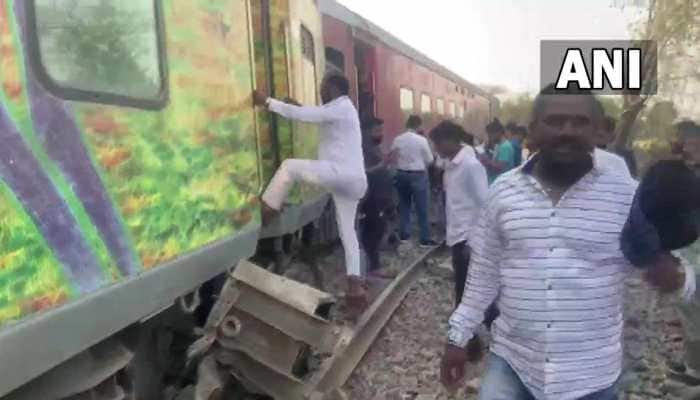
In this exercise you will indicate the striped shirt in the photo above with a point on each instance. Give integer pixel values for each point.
(557, 273)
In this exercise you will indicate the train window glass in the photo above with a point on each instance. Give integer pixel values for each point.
(425, 104)
(100, 50)
(440, 104)
(452, 110)
(406, 99)
(308, 67)
(335, 60)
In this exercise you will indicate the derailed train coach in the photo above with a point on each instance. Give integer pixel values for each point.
(133, 158)
(131, 164)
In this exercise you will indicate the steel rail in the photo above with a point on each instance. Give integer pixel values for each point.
(352, 348)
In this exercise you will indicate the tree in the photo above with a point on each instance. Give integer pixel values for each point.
(674, 28)
(517, 109)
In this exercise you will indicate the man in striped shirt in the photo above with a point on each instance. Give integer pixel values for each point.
(546, 248)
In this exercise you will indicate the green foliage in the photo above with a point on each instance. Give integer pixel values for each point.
(517, 109)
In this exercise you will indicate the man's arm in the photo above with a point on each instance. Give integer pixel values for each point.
(483, 279)
(477, 183)
(290, 110)
(481, 290)
(311, 114)
(427, 153)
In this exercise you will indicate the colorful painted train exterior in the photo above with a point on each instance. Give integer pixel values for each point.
(132, 158)
(392, 80)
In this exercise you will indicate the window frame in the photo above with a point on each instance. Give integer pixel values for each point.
(36, 65)
(413, 98)
(430, 103)
(439, 101)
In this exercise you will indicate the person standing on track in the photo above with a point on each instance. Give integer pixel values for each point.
(466, 187)
(546, 248)
(665, 218)
(413, 157)
(340, 169)
(376, 204)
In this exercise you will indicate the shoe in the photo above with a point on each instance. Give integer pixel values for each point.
(356, 297)
(427, 244)
(404, 239)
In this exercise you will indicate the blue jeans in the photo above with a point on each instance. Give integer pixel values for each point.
(413, 187)
(502, 383)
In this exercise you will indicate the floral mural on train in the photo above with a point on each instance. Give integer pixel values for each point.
(92, 193)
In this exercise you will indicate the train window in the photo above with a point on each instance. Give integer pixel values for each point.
(100, 51)
(440, 105)
(452, 110)
(308, 67)
(425, 104)
(406, 99)
(335, 60)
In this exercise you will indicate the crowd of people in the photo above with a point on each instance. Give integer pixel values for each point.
(544, 222)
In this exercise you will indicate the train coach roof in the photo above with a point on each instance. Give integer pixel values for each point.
(336, 10)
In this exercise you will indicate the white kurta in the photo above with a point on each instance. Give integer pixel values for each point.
(339, 169)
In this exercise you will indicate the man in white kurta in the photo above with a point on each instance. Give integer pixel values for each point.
(339, 167)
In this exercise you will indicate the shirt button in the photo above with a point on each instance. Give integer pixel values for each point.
(551, 249)
(549, 325)
(547, 359)
(554, 213)
(549, 287)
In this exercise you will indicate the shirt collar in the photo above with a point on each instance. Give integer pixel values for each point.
(529, 165)
(461, 155)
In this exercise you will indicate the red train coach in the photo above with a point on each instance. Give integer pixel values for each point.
(391, 80)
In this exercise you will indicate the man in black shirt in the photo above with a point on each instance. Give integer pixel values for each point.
(378, 199)
(665, 216)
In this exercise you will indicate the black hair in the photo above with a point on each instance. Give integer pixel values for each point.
(414, 122)
(511, 126)
(520, 130)
(449, 131)
(495, 126)
(339, 82)
(550, 90)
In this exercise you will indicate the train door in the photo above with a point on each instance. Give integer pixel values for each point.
(270, 20)
(365, 60)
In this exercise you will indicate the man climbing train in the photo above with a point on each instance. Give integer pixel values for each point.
(339, 169)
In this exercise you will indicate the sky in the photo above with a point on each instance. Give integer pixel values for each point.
(494, 41)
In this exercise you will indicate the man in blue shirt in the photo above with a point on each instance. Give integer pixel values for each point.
(503, 159)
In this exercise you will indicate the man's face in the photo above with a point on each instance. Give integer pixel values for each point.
(495, 137)
(377, 134)
(566, 127)
(326, 95)
(446, 148)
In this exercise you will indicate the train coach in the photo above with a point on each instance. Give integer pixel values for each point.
(132, 159)
(392, 80)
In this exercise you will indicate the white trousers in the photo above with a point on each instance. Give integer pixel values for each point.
(346, 187)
